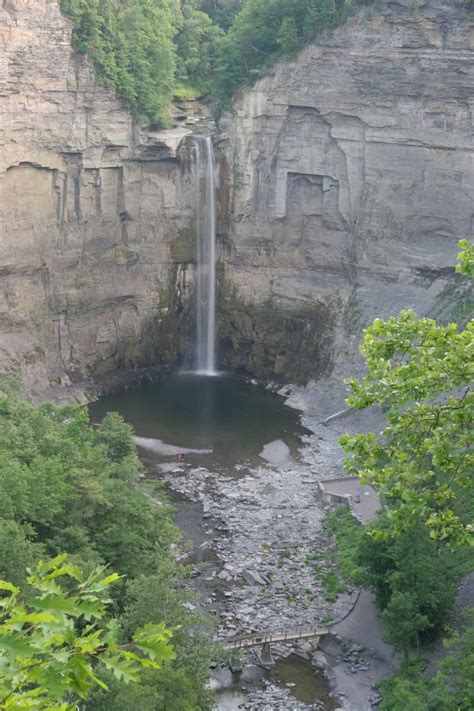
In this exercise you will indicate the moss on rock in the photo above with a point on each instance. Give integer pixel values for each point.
(274, 341)
(183, 249)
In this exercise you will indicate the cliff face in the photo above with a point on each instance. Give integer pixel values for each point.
(346, 180)
(351, 181)
(95, 213)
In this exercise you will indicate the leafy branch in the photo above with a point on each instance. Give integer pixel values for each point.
(53, 642)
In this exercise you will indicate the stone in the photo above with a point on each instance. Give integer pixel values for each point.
(354, 186)
(253, 578)
(276, 453)
(91, 204)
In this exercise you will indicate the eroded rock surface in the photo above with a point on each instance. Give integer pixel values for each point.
(349, 183)
(95, 214)
(346, 179)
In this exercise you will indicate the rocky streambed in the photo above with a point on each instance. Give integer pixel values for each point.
(265, 528)
(258, 535)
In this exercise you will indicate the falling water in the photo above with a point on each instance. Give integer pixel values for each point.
(206, 258)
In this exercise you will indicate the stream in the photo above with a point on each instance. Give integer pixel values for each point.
(212, 433)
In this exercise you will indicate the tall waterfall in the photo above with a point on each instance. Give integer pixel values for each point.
(206, 258)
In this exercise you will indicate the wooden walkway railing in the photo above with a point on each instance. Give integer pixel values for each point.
(257, 639)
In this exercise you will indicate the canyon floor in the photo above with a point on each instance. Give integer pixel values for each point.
(257, 531)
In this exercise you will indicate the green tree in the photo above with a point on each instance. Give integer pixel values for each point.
(69, 486)
(52, 641)
(287, 36)
(132, 46)
(118, 437)
(413, 578)
(222, 12)
(193, 650)
(66, 485)
(182, 687)
(263, 30)
(450, 689)
(17, 552)
(406, 689)
(196, 45)
(404, 621)
(453, 685)
(412, 561)
(420, 373)
(466, 258)
(414, 553)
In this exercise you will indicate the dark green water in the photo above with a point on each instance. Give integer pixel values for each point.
(234, 419)
(310, 686)
(224, 414)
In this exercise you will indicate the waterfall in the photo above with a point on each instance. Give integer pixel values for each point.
(206, 258)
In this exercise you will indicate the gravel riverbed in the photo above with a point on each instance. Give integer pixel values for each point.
(265, 523)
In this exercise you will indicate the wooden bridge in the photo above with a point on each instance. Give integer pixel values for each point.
(266, 638)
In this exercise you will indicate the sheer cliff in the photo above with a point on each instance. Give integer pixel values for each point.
(346, 180)
(95, 213)
(350, 181)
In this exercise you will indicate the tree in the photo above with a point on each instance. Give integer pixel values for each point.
(414, 553)
(221, 11)
(406, 689)
(68, 486)
(132, 47)
(118, 437)
(404, 621)
(420, 373)
(411, 562)
(53, 640)
(263, 30)
(17, 552)
(287, 36)
(450, 689)
(181, 687)
(196, 45)
(414, 580)
(453, 686)
(150, 50)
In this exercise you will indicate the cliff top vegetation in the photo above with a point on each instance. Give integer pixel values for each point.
(152, 50)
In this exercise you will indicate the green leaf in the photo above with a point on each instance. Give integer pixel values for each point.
(123, 669)
(15, 646)
(4, 585)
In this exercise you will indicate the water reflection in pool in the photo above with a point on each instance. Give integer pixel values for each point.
(225, 414)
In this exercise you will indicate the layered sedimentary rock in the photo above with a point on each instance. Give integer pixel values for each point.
(350, 181)
(346, 180)
(95, 214)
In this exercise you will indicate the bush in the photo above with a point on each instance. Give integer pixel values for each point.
(132, 46)
(68, 486)
(147, 50)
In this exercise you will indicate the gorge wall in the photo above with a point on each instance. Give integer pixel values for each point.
(95, 214)
(346, 180)
(350, 181)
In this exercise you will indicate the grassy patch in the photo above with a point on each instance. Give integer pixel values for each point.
(335, 566)
(187, 93)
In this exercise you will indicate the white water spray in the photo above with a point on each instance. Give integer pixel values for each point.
(206, 259)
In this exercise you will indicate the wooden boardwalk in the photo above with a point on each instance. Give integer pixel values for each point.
(257, 639)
